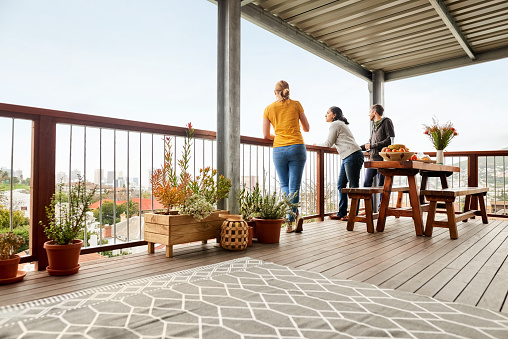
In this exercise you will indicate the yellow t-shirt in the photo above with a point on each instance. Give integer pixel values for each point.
(285, 119)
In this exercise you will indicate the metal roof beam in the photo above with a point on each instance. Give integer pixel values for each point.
(497, 54)
(449, 21)
(246, 2)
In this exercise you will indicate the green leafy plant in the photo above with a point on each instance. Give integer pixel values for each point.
(440, 135)
(197, 206)
(66, 221)
(9, 245)
(206, 185)
(277, 206)
(249, 202)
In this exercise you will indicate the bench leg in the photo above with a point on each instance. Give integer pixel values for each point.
(430, 218)
(352, 214)
(400, 195)
(452, 225)
(467, 206)
(369, 216)
(481, 200)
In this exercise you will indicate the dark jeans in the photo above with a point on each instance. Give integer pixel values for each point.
(349, 172)
(370, 173)
(289, 162)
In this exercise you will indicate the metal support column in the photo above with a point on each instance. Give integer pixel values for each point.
(228, 98)
(377, 96)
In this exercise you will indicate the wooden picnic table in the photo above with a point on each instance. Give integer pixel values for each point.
(408, 169)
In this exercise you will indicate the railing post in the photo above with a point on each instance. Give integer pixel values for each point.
(320, 189)
(42, 183)
(472, 176)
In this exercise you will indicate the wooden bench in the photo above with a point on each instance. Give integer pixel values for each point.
(448, 195)
(366, 193)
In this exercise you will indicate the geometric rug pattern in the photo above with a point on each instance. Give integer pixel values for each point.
(40, 307)
(249, 298)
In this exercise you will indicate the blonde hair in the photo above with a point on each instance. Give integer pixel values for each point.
(282, 87)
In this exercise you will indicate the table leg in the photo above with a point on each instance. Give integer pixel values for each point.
(423, 185)
(385, 200)
(415, 204)
(481, 200)
(444, 182)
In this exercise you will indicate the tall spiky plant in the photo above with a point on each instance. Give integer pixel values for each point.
(169, 188)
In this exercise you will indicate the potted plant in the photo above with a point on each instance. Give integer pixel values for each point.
(66, 223)
(9, 259)
(195, 199)
(272, 212)
(248, 201)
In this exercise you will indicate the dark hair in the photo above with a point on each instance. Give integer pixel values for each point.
(378, 108)
(282, 87)
(338, 115)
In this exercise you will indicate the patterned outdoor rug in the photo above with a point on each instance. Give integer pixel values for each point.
(247, 298)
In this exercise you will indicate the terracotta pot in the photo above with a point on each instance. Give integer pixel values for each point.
(251, 233)
(63, 259)
(9, 267)
(252, 224)
(268, 230)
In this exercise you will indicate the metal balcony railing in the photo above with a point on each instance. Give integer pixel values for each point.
(118, 156)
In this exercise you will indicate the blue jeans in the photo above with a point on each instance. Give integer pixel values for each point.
(349, 172)
(289, 162)
(370, 173)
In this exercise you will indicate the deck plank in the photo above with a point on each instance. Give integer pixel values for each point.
(477, 286)
(425, 261)
(472, 269)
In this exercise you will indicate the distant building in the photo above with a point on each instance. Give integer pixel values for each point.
(98, 176)
(110, 179)
(75, 173)
(18, 173)
(61, 177)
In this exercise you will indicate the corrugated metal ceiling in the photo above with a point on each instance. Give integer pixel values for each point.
(401, 37)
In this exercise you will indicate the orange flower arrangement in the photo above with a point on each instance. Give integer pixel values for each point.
(440, 135)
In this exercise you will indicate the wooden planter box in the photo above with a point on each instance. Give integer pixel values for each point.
(171, 230)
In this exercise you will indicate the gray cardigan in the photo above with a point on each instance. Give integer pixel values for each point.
(340, 136)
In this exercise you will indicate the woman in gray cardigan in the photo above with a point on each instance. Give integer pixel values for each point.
(340, 136)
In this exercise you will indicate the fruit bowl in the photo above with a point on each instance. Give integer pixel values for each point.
(396, 156)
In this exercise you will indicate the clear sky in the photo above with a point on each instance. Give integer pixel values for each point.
(155, 61)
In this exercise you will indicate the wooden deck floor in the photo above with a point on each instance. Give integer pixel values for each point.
(471, 270)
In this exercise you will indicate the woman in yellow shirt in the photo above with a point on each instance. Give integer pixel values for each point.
(289, 152)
